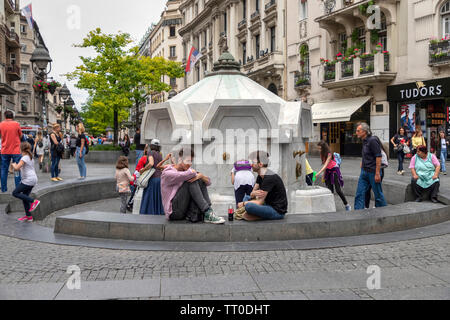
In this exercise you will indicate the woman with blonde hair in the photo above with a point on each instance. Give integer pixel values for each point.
(81, 150)
(56, 150)
(417, 140)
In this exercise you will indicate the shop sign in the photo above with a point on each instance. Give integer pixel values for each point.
(419, 90)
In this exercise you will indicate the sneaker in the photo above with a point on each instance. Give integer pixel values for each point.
(399, 172)
(59, 179)
(210, 217)
(445, 173)
(54, 179)
(419, 200)
(34, 205)
(26, 219)
(348, 208)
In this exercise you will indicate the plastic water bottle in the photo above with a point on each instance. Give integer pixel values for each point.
(16, 174)
(230, 213)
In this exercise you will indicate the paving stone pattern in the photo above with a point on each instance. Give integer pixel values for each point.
(416, 269)
(422, 265)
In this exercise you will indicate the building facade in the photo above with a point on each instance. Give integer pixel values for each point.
(253, 31)
(9, 54)
(162, 40)
(395, 78)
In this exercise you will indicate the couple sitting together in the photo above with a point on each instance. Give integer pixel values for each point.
(185, 195)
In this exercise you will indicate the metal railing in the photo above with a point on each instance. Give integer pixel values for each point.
(347, 68)
(330, 72)
(439, 52)
(367, 65)
(302, 79)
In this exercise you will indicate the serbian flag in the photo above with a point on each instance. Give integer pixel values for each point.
(194, 56)
(28, 13)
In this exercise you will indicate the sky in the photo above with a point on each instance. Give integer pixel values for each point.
(63, 23)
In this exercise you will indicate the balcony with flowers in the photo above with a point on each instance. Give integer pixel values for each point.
(357, 69)
(439, 52)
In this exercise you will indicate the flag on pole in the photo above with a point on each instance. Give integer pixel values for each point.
(194, 56)
(28, 13)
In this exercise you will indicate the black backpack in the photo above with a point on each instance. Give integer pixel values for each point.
(40, 144)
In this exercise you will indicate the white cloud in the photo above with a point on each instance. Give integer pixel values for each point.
(66, 22)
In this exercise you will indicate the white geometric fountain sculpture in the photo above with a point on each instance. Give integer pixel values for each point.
(219, 116)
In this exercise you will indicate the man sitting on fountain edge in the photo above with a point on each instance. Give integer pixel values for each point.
(269, 194)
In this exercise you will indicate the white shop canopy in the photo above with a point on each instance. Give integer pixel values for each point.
(338, 110)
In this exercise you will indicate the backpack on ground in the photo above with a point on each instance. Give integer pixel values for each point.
(337, 159)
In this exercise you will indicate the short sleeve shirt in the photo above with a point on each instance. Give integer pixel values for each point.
(27, 172)
(274, 186)
(370, 152)
(10, 132)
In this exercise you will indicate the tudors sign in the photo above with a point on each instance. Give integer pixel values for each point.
(436, 88)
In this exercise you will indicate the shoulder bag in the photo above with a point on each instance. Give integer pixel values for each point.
(142, 182)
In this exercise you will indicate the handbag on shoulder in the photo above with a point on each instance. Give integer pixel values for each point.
(142, 182)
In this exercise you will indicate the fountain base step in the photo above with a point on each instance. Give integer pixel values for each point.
(310, 200)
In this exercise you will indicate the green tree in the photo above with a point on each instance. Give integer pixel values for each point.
(144, 75)
(118, 78)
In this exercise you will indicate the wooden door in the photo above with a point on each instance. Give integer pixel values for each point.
(335, 137)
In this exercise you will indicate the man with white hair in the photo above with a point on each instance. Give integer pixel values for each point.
(370, 168)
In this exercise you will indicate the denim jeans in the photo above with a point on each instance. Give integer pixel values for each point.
(443, 157)
(55, 162)
(265, 212)
(401, 158)
(6, 160)
(22, 192)
(80, 162)
(366, 180)
(139, 154)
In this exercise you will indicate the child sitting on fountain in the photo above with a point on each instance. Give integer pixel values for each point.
(243, 180)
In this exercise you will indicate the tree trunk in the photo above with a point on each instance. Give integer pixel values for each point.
(116, 126)
(137, 116)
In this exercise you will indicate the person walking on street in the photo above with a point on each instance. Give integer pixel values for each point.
(370, 168)
(443, 146)
(56, 150)
(333, 177)
(425, 174)
(384, 164)
(29, 180)
(417, 140)
(399, 141)
(11, 136)
(81, 151)
(139, 147)
(126, 145)
(39, 148)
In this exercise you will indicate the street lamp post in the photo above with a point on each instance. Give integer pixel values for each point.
(40, 60)
(65, 96)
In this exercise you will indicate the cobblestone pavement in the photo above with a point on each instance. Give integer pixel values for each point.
(416, 268)
(25, 262)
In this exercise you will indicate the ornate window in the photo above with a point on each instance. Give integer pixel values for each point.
(303, 6)
(445, 19)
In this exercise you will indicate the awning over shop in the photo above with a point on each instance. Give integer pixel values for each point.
(337, 111)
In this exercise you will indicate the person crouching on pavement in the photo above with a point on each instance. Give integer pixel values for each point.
(425, 169)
